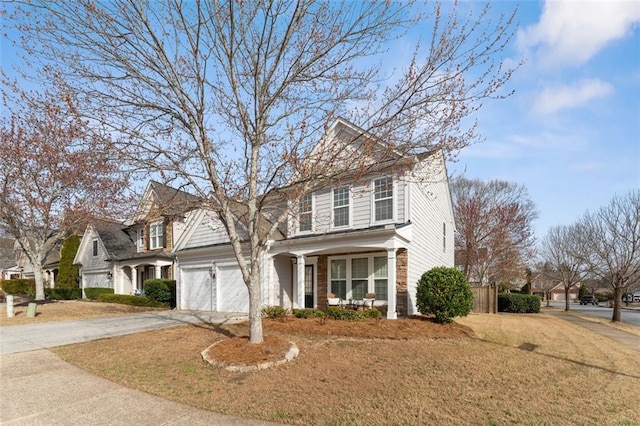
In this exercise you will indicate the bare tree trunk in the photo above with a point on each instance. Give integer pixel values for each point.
(617, 304)
(255, 305)
(37, 272)
(566, 298)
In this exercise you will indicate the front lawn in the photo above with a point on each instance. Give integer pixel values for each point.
(484, 369)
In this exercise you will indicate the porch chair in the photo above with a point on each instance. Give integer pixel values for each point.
(332, 300)
(367, 301)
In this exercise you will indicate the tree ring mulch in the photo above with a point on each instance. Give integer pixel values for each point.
(238, 355)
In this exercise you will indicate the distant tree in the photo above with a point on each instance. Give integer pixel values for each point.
(608, 244)
(545, 280)
(494, 221)
(56, 172)
(230, 98)
(557, 251)
(68, 272)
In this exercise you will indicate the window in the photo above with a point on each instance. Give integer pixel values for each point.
(359, 277)
(305, 213)
(341, 206)
(95, 247)
(380, 276)
(353, 277)
(156, 235)
(444, 236)
(339, 278)
(383, 199)
(140, 233)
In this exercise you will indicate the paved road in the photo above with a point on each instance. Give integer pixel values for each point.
(629, 316)
(29, 337)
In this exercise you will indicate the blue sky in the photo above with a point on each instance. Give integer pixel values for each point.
(571, 132)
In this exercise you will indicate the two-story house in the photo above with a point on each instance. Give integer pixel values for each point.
(376, 234)
(123, 256)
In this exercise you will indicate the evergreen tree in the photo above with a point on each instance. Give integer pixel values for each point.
(68, 272)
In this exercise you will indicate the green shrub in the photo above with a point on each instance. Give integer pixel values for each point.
(68, 272)
(22, 286)
(343, 314)
(274, 312)
(518, 303)
(63, 293)
(372, 313)
(125, 299)
(161, 290)
(445, 293)
(94, 292)
(308, 313)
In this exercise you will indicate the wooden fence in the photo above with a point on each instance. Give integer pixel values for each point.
(485, 299)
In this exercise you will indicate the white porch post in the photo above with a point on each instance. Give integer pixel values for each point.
(158, 271)
(299, 302)
(53, 279)
(134, 279)
(391, 285)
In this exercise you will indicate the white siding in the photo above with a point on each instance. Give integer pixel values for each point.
(430, 208)
(209, 231)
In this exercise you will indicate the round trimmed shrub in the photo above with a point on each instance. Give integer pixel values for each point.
(445, 293)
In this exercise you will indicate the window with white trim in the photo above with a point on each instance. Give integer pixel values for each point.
(156, 235)
(352, 277)
(383, 199)
(95, 247)
(305, 213)
(341, 206)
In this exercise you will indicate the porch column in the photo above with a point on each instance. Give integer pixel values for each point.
(299, 294)
(134, 279)
(158, 273)
(391, 285)
(52, 274)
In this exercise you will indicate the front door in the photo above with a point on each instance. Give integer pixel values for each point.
(308, 287)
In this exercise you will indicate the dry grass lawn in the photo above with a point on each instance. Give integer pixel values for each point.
(67, 310)
(483, 369)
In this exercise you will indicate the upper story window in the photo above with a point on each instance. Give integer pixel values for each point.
(305, 213)
(341, 206)
(95, 247)
(156, 235)
(383, 199)
(140, 238)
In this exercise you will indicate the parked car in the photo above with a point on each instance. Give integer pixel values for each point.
(586, 300)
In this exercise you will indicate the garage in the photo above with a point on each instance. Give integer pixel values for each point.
(96, 279)
(233, 295)
(225, 293)
(197, 290)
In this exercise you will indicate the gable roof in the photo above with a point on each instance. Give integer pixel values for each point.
(169, 201)
(117, 243)
(7, 254)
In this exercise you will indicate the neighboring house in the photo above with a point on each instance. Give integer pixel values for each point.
(557, 293)
(8, 265)
(123, 256)
(377, 234)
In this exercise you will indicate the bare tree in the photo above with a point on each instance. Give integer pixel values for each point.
(557, 251)
(494, 228)
(608, 243)
(56, 173)
(544, 280)
(230, 98)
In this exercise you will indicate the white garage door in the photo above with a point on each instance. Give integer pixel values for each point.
(96, 280)
(233, 295)
(197, 290)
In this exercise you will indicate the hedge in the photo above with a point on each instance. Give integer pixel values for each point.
(20, 286)
(94, 292)
(63, 293)
(161, 290)
(351, 315)
(126, 299)
(518, 303)
(308, 313)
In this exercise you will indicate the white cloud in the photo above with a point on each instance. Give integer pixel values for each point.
(571, 32)
(553, 99)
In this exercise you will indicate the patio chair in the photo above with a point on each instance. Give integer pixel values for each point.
(332, 300)
(367, 301)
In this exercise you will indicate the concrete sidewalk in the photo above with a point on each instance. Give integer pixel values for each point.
(29, 337)
(38, 388)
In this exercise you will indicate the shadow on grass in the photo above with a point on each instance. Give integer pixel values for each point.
(530, 347)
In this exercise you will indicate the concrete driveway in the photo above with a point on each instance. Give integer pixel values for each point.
(29, 337)
(38, 388)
